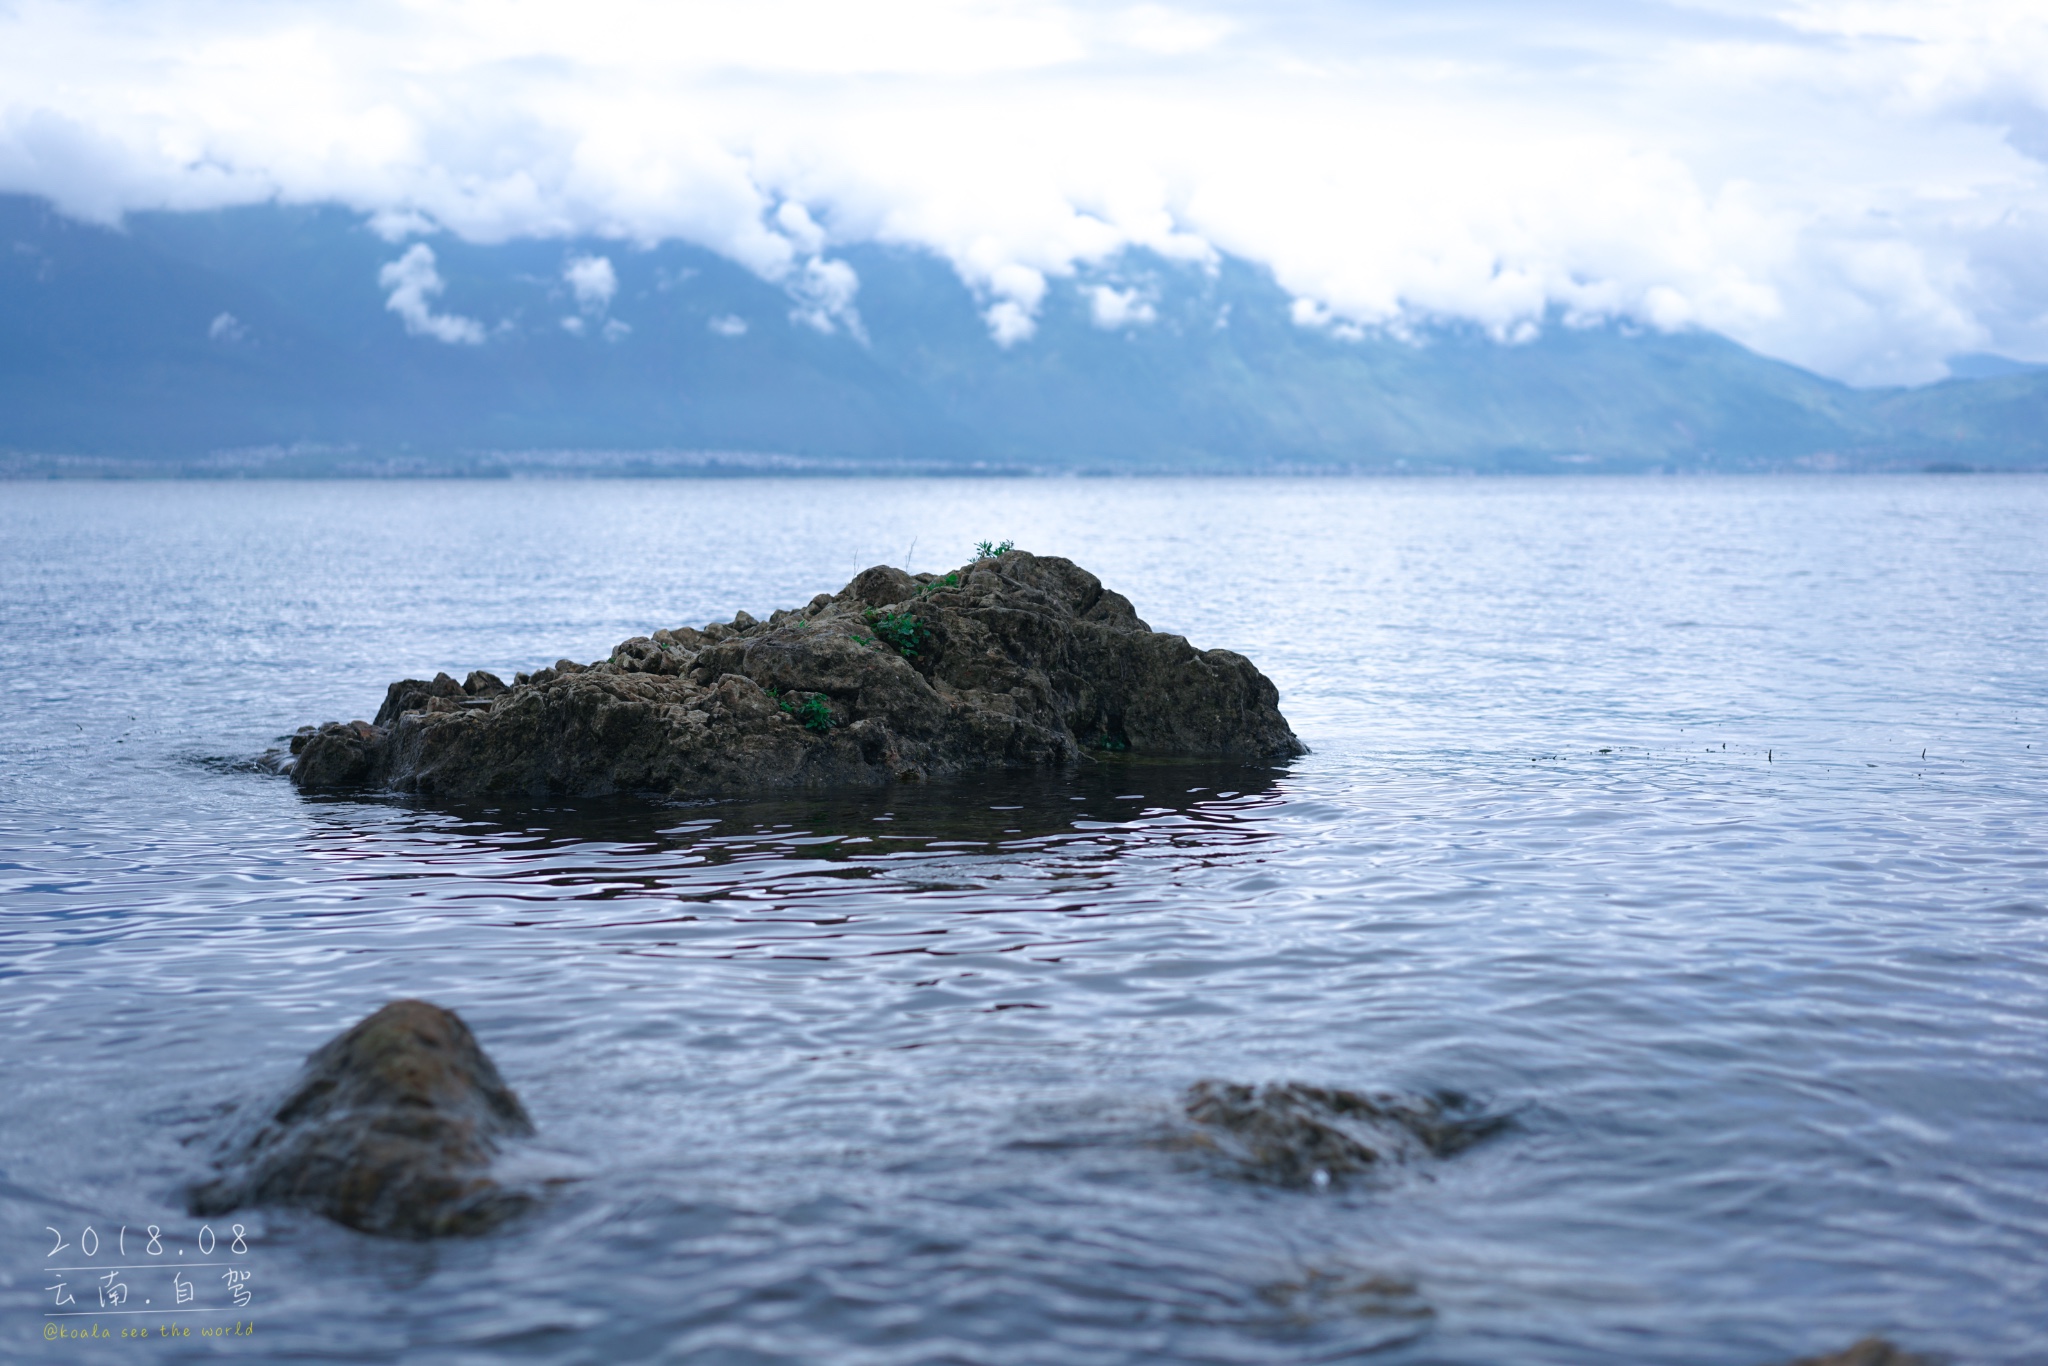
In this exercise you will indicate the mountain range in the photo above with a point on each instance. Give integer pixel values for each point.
(282, 339)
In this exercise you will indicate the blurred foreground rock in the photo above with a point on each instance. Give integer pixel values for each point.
(1291, 1134)
(1014, 661)
(391, 1128)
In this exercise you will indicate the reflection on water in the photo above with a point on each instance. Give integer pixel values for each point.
(1067, 822)
(1697, 828)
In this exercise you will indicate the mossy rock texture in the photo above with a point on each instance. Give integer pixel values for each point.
(1016, 661)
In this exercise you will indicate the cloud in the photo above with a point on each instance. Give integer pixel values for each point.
(1010, 322)
(728, 325)
(824, 293)
(1018, 290)
(593, 280)
(1112, 308)
(395, 225)
(225, 327)
(1854, 185)
(413, 280)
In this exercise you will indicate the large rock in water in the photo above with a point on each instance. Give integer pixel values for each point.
(390, 1128)
(1018, 660)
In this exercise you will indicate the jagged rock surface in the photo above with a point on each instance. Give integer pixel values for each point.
(391, 1128)
(1291, 1134)
(1013, 661)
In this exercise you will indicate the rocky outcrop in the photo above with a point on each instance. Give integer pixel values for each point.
(1290, 1134)
(1015, 661)
(392, 1127)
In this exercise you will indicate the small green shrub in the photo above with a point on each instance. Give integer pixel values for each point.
(950, 581)
(899, 629)
(814, 712)
(989, 550)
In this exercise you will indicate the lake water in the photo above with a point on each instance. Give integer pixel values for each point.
(1700, 827)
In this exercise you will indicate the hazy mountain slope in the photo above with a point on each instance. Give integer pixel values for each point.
(1223, 376)
(261, 338)
(2001, 420)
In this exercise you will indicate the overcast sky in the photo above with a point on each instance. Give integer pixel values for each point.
(1861, 188)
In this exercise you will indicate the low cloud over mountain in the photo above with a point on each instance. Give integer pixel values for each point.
(1855, 188)
(274, 339)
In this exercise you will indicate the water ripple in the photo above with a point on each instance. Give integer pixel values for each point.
(1698, 827)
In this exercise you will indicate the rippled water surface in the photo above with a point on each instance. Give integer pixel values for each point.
(1696, 827)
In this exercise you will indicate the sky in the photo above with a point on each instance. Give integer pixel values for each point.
(1857, 186)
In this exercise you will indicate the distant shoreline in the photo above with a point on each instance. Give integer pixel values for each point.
(574, 465)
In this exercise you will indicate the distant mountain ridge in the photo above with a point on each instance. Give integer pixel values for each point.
(259, 341)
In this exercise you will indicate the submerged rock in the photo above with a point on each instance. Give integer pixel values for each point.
(391, 1128)
(1015, 661)
(1870, 1352)
(1317, 1295)
(1291, 1134)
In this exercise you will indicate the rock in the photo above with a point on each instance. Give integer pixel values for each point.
(337, 755)
(1316, 1295)
(1017, 661)
(410, 694)
(1869, 1352)
(1291, 1134)
(390, 1128)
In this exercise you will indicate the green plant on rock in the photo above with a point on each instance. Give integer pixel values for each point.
(900, 629)
(950, 581)
(814, 712)
(989, 550)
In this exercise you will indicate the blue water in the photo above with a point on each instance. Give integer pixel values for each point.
(1698, 826)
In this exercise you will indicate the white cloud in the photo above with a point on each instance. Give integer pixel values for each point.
(824, 293)
(413, 281)
(728, 325)
(1112, 308)
(1167, 32)
(1855, 185)
(225, 327)
(804, 233)
(593, 280)
(395, 225)
(1013, 317)
(1010, 322)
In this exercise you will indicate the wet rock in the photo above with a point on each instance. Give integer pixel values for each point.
(411, 694)
(1291, 1134)
(338, 754)
(1319, 1294)
(1870, 1352)
(1019, 661)
(391, 1128)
